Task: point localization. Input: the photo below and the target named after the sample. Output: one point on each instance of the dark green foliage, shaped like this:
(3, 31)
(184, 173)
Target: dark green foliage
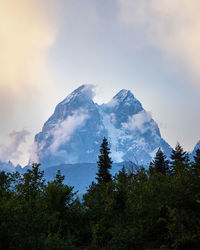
(160, 164)
(104, 163)
(178, 155)
(36, 215)
(179, 160)
(137, 209)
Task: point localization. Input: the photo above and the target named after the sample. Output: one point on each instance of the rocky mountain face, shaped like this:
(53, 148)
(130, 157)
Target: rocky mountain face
(74, 132)
(197, 146)
(9, 166)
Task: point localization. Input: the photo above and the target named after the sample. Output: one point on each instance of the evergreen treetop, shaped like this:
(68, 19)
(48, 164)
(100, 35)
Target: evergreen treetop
(179, 160)
(160, 164)
(104, 163)
(178, 155)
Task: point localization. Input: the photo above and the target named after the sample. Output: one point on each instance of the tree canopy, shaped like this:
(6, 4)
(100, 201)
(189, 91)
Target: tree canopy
(146, 208)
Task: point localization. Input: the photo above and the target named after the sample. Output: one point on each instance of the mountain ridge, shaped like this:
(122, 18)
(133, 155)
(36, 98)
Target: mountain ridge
(74, 132)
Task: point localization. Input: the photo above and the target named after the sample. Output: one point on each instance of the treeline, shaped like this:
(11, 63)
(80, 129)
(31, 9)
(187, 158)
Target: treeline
(135, 209)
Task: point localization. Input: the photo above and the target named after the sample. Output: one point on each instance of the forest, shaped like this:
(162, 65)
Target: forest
(138, 208)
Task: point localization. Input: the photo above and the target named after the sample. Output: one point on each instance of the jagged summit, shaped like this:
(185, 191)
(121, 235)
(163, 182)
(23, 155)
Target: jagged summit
(123, 105)
(79, 100)
(74, 132)
(84, 91)
(124, 95)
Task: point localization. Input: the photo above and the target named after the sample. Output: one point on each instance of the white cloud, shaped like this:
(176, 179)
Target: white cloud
(171, 26)
(63, 131)
(34, 149)
(138, 121)
(112, 103)
(89, 90)
(12, 151)
(27, 32)
(117, 156)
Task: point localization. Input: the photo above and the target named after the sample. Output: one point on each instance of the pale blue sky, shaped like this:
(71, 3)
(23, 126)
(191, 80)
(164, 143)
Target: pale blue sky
(147, 47)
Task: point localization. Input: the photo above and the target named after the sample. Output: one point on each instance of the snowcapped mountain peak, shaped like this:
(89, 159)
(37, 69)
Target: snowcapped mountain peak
(124, 101)
(73, 134)
(85, 92)
(126, 98)
(122, 106)
(123, 94)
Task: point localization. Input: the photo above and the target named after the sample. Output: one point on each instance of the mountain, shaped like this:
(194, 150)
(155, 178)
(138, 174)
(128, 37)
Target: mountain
(9, 167)
(74, 132)
(134, 135)
(197, 146)
(81, 175)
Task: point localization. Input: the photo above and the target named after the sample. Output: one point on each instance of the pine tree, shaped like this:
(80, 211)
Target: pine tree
(178, 155)
(104, 163)
(179, 160)
(160, 164)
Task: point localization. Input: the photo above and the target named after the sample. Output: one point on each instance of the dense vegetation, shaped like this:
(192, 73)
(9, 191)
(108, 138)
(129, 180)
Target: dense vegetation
(135, 209)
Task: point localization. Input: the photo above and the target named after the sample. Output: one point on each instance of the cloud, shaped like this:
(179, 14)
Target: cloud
(26, 33)
(60, 135)
(34, 149)
(138, 122)
(12, 151)
(170, 25)
(89, 90)
(112, 103)
(63, 131)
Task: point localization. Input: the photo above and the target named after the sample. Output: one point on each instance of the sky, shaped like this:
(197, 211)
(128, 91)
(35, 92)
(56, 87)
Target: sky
(50, 47)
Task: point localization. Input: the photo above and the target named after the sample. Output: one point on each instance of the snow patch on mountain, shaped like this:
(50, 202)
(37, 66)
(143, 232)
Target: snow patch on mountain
(153, 153)
(113, 136)
(193, 153)
(73, 134)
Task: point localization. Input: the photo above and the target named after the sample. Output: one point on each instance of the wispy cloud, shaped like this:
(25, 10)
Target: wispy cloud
(63, 131)
(138, 121)
(61, 134)
(27, 32)
(171, 26)
(12, 150)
